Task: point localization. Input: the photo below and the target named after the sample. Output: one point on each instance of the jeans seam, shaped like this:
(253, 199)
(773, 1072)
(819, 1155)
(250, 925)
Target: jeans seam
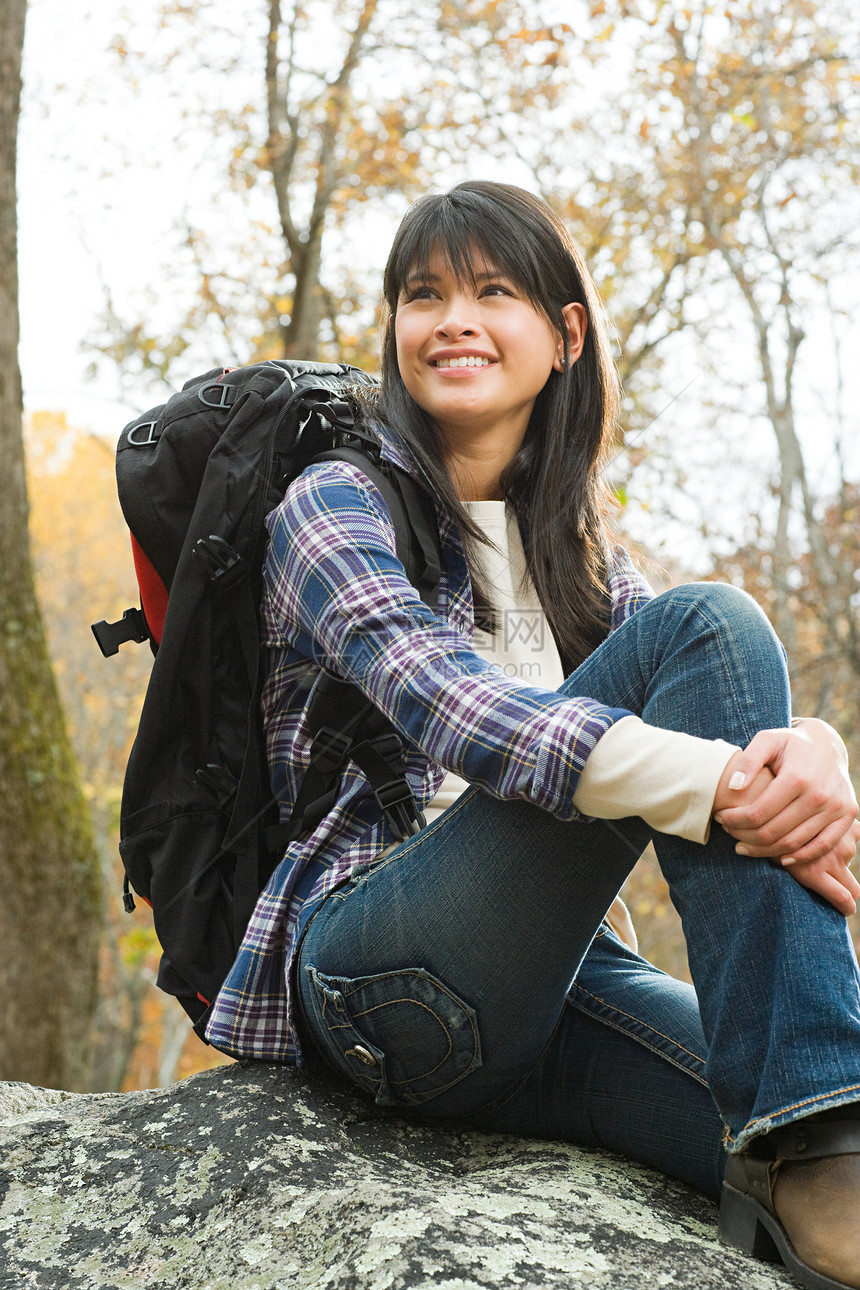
(729, 671)
(797, 1106)
(622, 1029)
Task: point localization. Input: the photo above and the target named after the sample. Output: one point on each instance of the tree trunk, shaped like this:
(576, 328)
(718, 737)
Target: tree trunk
(302, 335)
(49, 885)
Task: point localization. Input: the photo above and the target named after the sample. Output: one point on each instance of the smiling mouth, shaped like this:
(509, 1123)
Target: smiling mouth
(470, 360)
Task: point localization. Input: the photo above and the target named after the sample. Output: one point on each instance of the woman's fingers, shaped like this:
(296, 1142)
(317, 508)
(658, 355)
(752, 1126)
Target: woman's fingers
(807, 806)
(773, 816)
(811, 838)
(788, 795)
(831, 880)
(746, 776)
(842, 841)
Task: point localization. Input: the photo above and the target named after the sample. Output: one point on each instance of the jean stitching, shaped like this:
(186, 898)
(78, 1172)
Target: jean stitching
(437, 1092)
(434, 1015)
(729, 670)
(797, 1106)
(619, 1012)
(350, 1025)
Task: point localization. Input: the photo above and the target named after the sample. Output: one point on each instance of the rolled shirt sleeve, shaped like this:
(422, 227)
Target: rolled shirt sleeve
(666, 777)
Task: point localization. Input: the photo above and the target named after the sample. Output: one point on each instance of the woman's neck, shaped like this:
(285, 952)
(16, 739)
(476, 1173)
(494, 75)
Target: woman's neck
(477, 468)
(475, 485)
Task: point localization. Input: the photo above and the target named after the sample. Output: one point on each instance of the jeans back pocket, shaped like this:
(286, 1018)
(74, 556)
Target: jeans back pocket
(402, 1036)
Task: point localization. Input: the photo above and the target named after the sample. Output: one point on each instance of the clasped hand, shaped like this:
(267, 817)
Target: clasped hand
(788, 797)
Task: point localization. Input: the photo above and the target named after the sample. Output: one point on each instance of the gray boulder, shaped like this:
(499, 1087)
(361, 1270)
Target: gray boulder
(255, 1177)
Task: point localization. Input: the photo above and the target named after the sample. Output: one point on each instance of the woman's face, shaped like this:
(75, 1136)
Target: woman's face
(476, 357)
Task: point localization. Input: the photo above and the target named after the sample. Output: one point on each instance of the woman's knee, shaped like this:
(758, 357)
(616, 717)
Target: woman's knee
(721, 608)
(719, 598)
(719, 659)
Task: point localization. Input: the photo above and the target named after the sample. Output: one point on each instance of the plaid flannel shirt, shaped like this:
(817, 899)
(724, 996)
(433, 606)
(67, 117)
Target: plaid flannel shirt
(336, 596)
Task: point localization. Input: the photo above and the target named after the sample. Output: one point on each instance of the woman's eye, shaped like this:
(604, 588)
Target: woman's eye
(495, 289)
(418, 293)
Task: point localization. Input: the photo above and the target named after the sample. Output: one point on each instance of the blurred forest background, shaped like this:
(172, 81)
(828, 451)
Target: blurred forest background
(706, 157)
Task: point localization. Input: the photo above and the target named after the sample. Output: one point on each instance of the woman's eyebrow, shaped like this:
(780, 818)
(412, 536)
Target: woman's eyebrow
(419, 276)
(485, 275)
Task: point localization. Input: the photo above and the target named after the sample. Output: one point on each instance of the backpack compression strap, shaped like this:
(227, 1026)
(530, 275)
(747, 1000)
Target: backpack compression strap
(346, 726)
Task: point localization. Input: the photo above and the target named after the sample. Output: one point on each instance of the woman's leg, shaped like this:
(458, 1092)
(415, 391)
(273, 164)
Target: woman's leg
(453, 955)
(773, 965)
(624, 1071)
(441, 980)
(439, 977)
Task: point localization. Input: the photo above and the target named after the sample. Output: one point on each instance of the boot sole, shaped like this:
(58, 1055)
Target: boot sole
(748, 1226)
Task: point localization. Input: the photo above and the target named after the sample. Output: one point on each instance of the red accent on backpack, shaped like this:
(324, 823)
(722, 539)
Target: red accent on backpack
(153, 593)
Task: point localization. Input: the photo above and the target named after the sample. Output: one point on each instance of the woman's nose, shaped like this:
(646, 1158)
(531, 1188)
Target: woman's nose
(456, 320)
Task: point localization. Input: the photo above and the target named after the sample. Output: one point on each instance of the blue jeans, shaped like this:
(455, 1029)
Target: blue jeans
(469, 973)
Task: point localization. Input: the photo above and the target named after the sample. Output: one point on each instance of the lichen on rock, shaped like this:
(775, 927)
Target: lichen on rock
(256, 1177)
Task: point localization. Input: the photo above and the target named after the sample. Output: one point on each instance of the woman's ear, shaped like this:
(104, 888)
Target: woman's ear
(576, 322)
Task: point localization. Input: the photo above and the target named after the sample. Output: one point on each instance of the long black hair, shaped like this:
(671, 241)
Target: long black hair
(555, 483)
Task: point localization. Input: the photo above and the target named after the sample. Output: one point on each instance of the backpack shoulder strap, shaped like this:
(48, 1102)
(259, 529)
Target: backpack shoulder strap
(343, 723)
(413, 516)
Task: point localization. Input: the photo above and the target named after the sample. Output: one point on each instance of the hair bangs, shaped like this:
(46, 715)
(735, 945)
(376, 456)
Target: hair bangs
(472, 234)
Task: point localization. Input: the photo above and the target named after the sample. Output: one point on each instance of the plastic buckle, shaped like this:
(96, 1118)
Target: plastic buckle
(127, 897)
(398, 804)
(340, 414)
(225, 566)
(329, 749)
(131, 627)
(226, 394)
(151, 431)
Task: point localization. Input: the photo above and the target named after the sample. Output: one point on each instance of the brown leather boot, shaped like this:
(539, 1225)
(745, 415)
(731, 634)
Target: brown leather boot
(795, 1196)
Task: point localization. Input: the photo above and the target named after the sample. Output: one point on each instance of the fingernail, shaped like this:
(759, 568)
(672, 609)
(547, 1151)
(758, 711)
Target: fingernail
(719, 818)
(741, 850)
(737, 780)
(787, 860)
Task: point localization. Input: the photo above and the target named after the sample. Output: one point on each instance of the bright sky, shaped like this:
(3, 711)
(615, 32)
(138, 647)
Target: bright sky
(84, 221)
(101, 182)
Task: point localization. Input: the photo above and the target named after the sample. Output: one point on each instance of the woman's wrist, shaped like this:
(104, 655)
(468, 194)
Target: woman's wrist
(736, 788)
(816, 730)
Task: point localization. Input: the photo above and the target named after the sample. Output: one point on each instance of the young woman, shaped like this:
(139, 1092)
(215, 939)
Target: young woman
(483, 968)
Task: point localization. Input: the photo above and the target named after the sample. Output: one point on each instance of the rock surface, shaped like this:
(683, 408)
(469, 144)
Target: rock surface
(254, 1177)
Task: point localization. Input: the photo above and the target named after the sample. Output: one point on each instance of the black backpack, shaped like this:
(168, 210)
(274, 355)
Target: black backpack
(199, 829)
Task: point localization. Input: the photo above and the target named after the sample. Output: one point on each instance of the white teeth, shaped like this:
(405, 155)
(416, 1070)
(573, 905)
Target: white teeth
(470, 360)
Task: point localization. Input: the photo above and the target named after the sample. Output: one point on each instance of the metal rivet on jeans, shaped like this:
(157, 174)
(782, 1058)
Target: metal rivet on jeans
(363, 1055)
